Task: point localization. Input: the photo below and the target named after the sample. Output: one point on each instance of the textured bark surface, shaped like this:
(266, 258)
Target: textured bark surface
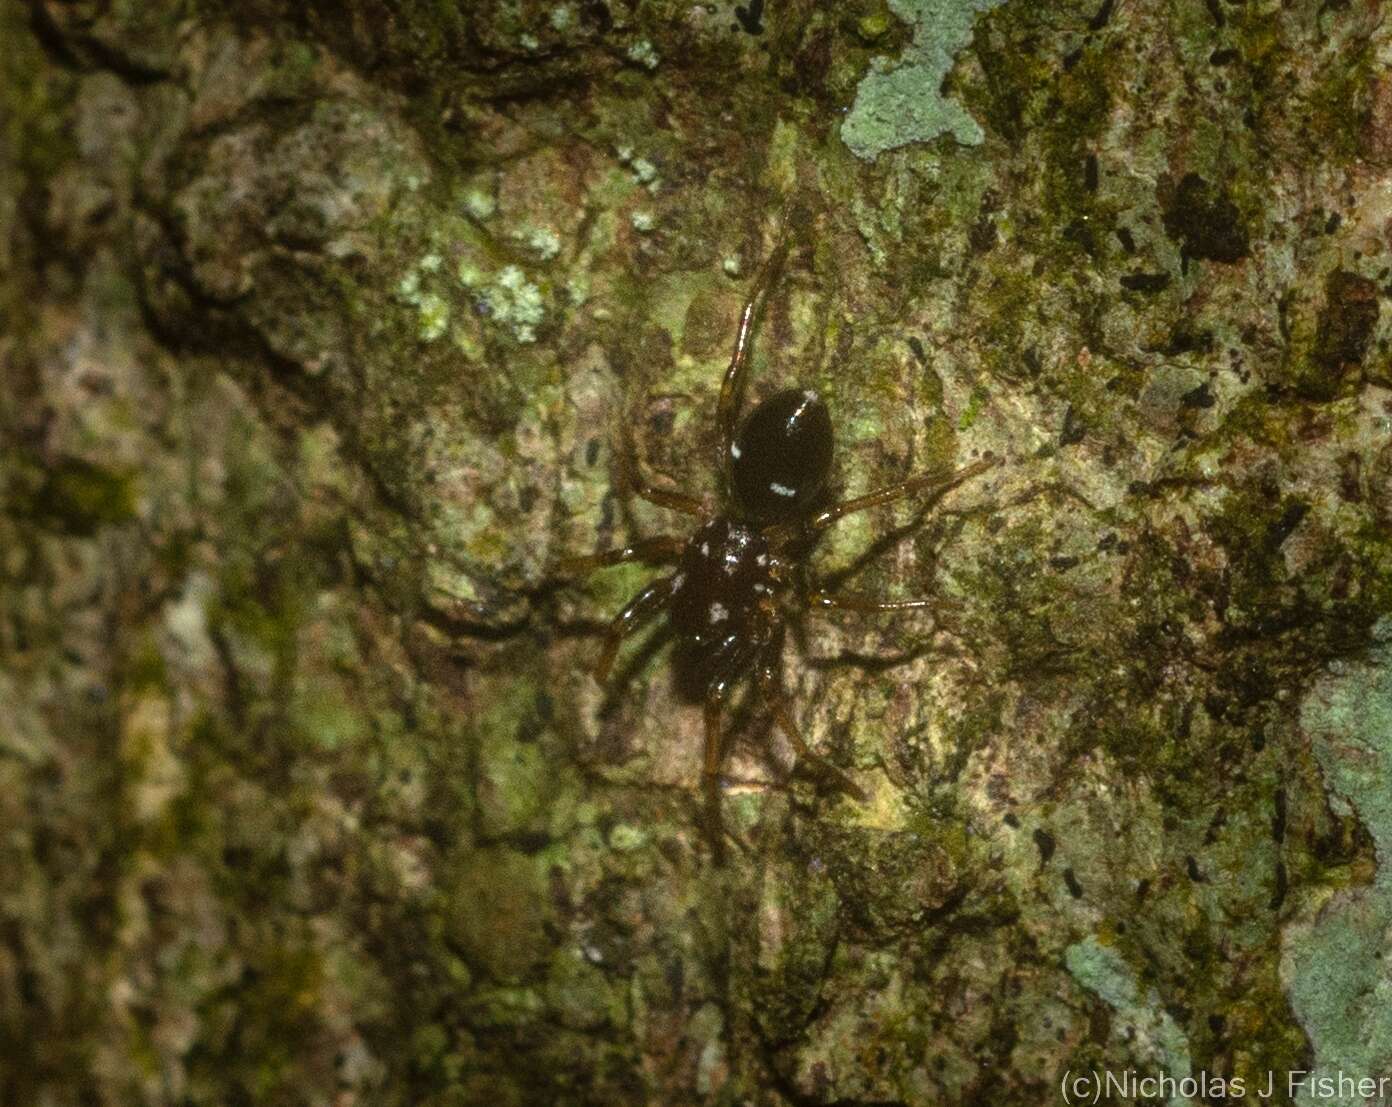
(322, 329)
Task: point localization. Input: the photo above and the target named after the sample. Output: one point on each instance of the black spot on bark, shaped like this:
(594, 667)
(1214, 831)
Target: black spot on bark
(596, 13)
(982, 236)
(1073, 429)
(1204, 220)
(1198, 397)
(1281, 529)
(1350, 314)
(1071, 882)
(1145, 282)
(1104, 14)
(750, 18)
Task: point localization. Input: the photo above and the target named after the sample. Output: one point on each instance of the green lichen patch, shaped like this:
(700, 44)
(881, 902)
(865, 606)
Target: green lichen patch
(899, 104)
(1158, 1039)
(1333, 959)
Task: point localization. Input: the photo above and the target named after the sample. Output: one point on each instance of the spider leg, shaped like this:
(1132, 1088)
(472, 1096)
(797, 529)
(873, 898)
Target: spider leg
(643, 488)
(938, 483)
(710, 773)
(845, 602)
(771, 687)
(664, 548)
(732, 387)
(940, 607)
(665, 497)
(648, 603)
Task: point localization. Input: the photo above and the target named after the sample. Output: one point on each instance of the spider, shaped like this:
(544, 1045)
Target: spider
(746, 558)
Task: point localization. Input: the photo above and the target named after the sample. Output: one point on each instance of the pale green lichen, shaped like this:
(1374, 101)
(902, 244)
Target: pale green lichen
(644, 172)
(510, 300)
(643, 53)
(1155, 1034)
(1334, 960)
(642, 221)
(625, 838)
(969, 414)
(578, 288)
(480, 204)
(543, 241)
(434, 316)
(432, 310)
(899, 104)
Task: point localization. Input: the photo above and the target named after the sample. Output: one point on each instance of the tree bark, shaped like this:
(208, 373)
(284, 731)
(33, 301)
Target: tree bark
(329, 331)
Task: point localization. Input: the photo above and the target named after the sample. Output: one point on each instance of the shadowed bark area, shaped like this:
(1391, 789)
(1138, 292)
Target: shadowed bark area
(327, 332)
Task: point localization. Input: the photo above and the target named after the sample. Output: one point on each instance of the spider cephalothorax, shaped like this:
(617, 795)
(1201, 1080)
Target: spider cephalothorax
(739, 570)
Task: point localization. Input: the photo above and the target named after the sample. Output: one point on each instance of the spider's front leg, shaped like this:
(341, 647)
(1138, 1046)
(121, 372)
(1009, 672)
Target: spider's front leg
(732, 387)
(940, 486)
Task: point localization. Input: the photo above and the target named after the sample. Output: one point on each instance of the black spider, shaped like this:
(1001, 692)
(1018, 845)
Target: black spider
(746, 557)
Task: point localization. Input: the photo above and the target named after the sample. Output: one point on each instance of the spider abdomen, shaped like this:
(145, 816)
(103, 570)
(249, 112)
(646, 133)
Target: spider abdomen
(780, 459)
(724, 583)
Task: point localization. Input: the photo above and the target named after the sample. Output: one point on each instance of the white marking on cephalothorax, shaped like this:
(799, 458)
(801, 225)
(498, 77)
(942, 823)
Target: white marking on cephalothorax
(718, 613)
(781, 489)
(735, 450)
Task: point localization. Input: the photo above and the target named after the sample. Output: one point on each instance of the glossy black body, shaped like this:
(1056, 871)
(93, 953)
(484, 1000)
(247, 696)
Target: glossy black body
(724, 595)
(736, 574)
(723, 581)
(780, 459)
